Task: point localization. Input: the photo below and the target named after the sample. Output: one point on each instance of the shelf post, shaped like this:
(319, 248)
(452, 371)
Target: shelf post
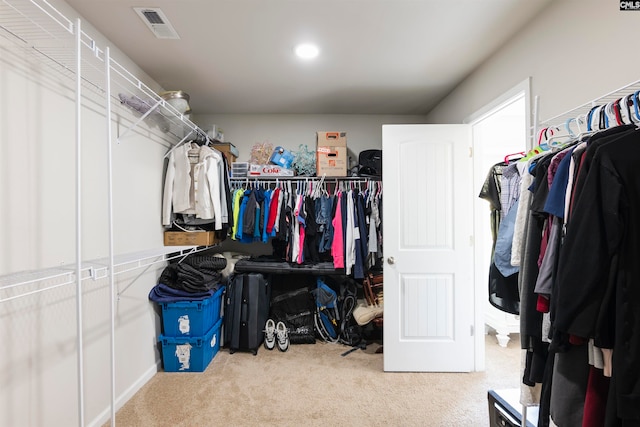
(111, 272)
(78, 42)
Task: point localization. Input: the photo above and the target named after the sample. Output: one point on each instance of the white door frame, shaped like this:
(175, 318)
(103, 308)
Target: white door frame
(480, 287)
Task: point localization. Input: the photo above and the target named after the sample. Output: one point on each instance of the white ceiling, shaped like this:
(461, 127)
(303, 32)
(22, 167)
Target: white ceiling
(377, 56)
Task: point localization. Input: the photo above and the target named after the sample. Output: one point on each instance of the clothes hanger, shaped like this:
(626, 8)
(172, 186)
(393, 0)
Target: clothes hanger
(539, 148)
(310, 189)
(557, 139)
(581, 120)
(628, 104)
(610, 114)
(325, 189)
(567, 126)
(513, 156)
(318, 190)
(603, 120)
(616, 112)
(178, 144)
(625, 110)
(635, 105)
(590, 118)
(558, 142)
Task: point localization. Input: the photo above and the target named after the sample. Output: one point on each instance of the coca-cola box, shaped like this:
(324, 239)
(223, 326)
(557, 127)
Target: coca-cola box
(269, 170)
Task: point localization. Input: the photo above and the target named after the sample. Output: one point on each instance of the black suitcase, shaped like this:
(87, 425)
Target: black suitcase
(246, 312)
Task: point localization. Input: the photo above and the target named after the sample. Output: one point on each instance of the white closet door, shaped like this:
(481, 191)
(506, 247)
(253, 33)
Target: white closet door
(428, 227)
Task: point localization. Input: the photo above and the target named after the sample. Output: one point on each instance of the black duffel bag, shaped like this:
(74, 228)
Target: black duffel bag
(296, 309)
(370, 163)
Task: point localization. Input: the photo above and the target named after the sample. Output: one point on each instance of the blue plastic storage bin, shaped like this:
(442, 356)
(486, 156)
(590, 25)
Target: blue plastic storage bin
(190, 354)
(191, 318)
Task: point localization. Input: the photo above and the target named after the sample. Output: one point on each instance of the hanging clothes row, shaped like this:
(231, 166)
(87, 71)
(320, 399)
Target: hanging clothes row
(575, 242)
(502, 190)
(309, 224)
(196, 189)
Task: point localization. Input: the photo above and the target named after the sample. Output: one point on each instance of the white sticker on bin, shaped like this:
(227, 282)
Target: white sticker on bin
(183, 324)
(183, 353)
(213, 340)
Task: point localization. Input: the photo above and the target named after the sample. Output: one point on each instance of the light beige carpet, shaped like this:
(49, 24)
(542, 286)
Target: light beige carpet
(313, 385)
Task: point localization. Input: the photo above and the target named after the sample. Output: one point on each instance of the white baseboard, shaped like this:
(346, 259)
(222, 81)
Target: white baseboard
(105, 415)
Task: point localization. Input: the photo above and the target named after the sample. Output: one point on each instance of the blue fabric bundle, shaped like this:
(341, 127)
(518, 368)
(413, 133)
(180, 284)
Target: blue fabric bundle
(163, 293)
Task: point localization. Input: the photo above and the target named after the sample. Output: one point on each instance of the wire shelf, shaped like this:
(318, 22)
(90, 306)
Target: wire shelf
(37, 28)
(25, 283)
(35, 23)
(581, 111)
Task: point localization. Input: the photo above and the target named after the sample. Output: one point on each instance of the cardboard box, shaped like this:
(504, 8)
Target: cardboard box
(229, 150)
(331, 154)
(189, 238)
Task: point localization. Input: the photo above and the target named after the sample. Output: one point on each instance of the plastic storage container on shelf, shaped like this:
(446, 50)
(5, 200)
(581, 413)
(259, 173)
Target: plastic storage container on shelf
(190, 354)
(191, 318)
(239, 169)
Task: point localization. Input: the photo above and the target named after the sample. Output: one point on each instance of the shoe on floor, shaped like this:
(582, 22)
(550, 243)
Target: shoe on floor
(282, 336)
(270, 334)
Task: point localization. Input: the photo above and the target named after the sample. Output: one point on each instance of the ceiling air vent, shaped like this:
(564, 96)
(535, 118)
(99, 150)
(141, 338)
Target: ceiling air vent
(157, 22)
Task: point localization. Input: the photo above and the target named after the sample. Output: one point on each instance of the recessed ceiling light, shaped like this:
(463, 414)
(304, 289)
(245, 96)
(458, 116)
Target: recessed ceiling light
(307, 51)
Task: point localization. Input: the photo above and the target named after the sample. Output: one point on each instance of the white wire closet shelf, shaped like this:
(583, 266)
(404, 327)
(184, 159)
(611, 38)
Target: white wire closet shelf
(36, 28)
(560, 120)
(25, 283)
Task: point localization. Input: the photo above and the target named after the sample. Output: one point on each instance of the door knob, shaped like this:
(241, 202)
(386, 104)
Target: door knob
(391, 260)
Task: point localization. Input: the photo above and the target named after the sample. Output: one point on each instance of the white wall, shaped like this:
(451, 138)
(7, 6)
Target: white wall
(575, 51)
(291, 130)
(38, 366)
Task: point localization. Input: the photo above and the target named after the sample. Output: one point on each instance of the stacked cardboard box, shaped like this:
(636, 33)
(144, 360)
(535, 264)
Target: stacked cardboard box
(331, 154)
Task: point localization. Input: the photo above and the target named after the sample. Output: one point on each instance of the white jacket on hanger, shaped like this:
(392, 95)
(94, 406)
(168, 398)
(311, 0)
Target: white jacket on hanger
(192, 184)
(177, 184)
(206, 176)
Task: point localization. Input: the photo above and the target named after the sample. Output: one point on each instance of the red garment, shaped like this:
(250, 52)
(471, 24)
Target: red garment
(546, 231)
(576, 340)
(543, 304)
(273, 210)
(595, 402)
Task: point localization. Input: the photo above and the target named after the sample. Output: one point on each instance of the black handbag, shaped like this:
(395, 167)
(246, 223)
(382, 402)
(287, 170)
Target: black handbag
(370, 163)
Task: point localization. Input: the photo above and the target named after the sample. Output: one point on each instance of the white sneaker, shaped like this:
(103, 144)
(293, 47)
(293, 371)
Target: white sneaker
(270, 334)
(282, 336)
